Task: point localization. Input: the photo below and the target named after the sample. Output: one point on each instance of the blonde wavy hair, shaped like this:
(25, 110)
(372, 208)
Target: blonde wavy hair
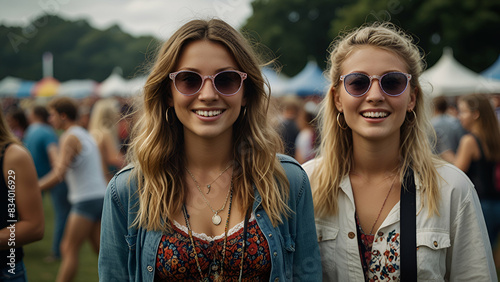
(336, 152)
(104, 118)
(157, 146)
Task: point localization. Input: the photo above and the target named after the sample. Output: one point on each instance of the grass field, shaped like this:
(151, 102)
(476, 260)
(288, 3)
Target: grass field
(40, 271)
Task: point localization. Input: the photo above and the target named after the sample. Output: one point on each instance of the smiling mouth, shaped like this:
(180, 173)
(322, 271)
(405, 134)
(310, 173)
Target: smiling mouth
(208, 113)
(375, 114)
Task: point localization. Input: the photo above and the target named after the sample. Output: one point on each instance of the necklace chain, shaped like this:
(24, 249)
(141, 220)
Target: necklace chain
(209, 186)
(215, 218)
(190, 232)
(383, 205)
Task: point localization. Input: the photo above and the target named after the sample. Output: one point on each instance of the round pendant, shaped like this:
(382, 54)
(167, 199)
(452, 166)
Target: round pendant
(216, 219)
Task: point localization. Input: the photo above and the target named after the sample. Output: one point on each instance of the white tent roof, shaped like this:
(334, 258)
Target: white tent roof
(77, 88)
(277, 81)
(9, 86)
(114, 85)
(449, 78)
(309, 81)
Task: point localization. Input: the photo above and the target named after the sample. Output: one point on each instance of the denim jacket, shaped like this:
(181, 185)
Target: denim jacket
(128, 253)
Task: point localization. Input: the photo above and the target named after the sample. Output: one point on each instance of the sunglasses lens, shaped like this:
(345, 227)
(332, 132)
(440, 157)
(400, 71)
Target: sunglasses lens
(228, 82)
(188, 82)
(394, 83)
(356, 84)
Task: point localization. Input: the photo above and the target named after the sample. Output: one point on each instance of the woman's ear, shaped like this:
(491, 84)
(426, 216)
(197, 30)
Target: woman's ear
(413, 99)
(336, 99)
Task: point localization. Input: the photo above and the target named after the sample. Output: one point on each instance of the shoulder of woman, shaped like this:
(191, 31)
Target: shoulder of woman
(311, 165)
(296, 175)
(453, 180)
(124, 183)
(17, 155)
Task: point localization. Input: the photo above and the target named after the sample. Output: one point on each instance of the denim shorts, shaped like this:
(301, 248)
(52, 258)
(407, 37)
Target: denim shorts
(90, 209)
(18, 276)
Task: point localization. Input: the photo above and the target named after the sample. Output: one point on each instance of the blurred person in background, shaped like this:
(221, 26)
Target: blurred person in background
(387, 209)
(306, 141)
(79, 163)
(17, 121)
(207, 197)
(21, 218)
(448, 130)
(103, 123)
(479, 153)
(41, 140)
(290, 107)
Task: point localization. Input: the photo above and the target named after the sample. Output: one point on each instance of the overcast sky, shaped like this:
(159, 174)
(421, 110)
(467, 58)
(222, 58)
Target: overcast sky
(159, 18)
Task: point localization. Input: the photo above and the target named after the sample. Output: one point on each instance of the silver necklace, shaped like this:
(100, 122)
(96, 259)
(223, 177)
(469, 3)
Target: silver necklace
(209, 186)
(216, 220)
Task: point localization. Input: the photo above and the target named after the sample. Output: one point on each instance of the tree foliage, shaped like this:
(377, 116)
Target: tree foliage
(469, 27)
(294, 30)
(79, 50)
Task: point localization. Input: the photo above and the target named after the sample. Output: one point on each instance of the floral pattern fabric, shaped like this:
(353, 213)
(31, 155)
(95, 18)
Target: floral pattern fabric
(379, 266)
(176, 259)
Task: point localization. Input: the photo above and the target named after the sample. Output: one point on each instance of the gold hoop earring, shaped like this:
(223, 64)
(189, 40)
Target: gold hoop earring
(244, 112)
(166, 116)
(340, 125)
(414, 120)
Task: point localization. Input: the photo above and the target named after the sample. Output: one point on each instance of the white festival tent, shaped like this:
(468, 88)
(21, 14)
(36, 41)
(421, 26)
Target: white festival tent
(449, 78)
(114, 85)
(77, 88)
(277, 81)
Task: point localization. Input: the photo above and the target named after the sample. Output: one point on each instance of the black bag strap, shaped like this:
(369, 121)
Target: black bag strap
(408, 235)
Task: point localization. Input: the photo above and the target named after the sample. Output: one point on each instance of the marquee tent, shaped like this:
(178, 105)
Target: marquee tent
(114, 85)
(449, 78)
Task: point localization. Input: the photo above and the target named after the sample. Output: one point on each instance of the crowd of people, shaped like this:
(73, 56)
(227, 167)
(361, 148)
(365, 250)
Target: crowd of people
(204, 181)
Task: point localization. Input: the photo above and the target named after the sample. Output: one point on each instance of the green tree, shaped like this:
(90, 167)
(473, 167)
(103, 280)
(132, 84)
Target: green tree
(469, 27)
(79, 50)
(294, 30)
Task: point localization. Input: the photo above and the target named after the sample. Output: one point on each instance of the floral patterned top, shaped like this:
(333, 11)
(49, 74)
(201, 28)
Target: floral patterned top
(378, 266)
(175, 258)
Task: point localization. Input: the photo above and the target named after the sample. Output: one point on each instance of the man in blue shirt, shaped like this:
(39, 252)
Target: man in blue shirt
(41, 140)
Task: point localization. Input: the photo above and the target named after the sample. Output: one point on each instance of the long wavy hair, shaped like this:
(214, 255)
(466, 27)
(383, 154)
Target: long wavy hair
(336, 151)
(104, 119)
(488, 130)
(157, 146)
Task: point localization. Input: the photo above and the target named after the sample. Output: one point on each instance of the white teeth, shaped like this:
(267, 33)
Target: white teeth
(375, 114)
(209, 113)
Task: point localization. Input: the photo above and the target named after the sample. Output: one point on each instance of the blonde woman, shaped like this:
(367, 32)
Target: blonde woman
(206, 196)
(103, 127)
(375, 152)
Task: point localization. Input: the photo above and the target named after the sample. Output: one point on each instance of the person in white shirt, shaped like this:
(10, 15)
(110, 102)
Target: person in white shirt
(374, 133)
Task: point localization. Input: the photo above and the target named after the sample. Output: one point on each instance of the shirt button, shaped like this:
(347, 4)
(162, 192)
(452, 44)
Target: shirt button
(351, 235)
(275, 254)
(270, 234)
(258, 215)
(435, 244)
(380, 234)
(276, 279)
(150, 268)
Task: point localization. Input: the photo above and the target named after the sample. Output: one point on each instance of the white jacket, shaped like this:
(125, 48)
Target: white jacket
(453, 246)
